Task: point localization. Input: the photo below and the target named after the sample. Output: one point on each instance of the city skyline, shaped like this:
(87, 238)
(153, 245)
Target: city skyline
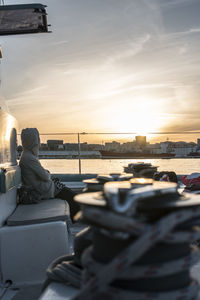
(102, 138)
(106, 68)
(122, 138)
(74, 140)
(139, 147)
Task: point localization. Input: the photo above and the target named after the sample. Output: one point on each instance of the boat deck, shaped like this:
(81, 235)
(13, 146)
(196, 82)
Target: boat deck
(33, 292)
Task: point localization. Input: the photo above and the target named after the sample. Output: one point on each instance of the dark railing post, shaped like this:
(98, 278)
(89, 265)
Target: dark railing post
(79, 153)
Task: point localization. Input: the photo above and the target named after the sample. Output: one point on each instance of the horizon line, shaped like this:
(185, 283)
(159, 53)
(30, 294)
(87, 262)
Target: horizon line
(113, 133)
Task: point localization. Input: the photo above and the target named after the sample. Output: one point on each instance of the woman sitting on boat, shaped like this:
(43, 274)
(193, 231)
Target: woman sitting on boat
(35, 177)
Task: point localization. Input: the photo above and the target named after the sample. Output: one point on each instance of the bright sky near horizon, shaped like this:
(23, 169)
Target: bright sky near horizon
(107, 66)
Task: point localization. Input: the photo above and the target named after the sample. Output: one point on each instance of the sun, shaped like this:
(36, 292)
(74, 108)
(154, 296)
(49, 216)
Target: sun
(141, 123)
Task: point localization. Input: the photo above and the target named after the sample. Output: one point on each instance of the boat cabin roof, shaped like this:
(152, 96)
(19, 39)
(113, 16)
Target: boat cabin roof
(22, 6)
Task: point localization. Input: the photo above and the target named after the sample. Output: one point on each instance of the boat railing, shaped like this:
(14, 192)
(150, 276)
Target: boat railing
(79, 134)
(78, 137)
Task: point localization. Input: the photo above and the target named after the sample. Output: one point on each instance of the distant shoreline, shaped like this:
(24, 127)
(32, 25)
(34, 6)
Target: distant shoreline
(104, 158)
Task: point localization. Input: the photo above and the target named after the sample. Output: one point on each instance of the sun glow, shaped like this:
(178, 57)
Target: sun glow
(9, 126)
(142, 123)
(138, 114)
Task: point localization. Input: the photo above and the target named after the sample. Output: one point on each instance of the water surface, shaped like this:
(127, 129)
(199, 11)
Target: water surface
(179, 165)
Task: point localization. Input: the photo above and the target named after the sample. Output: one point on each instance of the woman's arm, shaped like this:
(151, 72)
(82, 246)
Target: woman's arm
(39, 171)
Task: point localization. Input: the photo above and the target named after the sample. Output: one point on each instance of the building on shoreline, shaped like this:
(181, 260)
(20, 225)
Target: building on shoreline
(69, 154)
(59, 149)
(179, 149)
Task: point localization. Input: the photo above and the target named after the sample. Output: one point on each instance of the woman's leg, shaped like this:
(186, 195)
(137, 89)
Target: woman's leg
(68, 195)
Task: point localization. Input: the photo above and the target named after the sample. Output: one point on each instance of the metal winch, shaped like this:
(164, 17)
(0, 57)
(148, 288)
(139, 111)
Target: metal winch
(141, 247)
(141, 169)
(96, 184)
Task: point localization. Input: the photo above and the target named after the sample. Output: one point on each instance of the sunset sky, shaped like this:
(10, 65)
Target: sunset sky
(108, 66)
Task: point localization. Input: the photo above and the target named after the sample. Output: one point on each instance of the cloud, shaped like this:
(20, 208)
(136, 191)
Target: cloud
(168, 3)
(59, 43)
(130, 49)
(112, 93)
(29, 92)
(104, 56)
(184, 33)
(194, 30)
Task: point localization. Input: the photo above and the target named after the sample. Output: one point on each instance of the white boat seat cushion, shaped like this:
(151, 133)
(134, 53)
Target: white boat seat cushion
(45, 211)
(10, 177)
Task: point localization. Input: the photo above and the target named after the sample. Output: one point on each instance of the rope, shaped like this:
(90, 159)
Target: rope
(67, 269)
(135, 268)
(108, 219)
(149, 271)
(64, 270)
(98, 278)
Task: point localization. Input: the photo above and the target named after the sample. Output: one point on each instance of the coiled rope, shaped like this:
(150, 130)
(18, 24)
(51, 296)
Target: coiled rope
(99, 277)
(64, 270)
(127, 259)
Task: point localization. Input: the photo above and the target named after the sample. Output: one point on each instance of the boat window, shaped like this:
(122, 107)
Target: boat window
(8, 139)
